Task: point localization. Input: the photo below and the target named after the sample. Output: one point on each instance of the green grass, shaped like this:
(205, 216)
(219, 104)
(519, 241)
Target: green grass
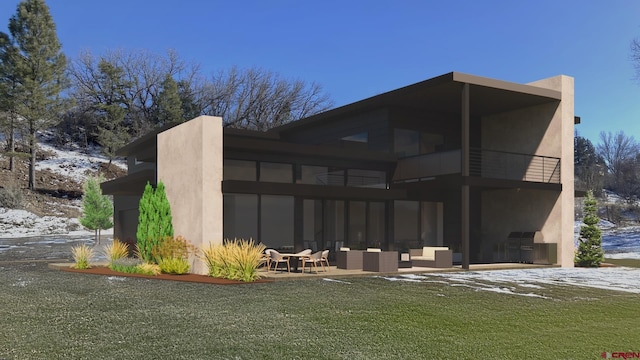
(51, 314)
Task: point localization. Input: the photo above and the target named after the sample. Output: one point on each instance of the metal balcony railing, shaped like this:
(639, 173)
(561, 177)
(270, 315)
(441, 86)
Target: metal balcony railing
(482, 163)
(514, 166)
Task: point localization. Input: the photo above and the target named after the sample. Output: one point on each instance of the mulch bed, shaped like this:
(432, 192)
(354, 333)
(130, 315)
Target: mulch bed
(101, 270)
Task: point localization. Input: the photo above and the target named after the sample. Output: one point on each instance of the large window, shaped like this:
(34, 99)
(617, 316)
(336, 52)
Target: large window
(239, 170)
(334, 223)
(406, 142)
(276, 222)
(405, 224)
(411, 142)
(357, 224)
(314, 175)
(366, 178)
(276, 172)
(431, 223)
(376, 228)
(312, 229)
(240, 213)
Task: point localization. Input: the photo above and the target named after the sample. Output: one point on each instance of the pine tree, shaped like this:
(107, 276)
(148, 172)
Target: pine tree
(97, 209)
(590, 252)
(39, 71)
(154, 221)
(169, 102)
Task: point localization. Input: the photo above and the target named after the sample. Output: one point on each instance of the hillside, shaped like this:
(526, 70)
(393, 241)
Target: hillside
(60, 173)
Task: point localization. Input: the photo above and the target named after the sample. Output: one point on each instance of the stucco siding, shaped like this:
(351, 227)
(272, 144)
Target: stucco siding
(190, 166)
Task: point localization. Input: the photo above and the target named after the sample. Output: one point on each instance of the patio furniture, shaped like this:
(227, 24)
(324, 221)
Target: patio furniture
(405, 260)
(277, 258)
(380, 261)
(348, 259)
(325, 258)
(312, 260)
(432, 256)
(266, 258)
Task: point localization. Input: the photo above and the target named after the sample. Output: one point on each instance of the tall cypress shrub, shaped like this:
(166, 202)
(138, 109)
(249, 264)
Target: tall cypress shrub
(154, 220)
(590, 252)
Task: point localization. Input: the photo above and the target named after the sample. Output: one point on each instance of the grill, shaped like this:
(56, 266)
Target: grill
(520, 246)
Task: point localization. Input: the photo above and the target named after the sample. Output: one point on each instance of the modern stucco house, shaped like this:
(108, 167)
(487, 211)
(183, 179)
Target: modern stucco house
(457, 160)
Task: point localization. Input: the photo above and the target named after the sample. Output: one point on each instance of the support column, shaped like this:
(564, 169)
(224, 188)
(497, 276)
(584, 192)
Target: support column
(190, 166)
(465, 174)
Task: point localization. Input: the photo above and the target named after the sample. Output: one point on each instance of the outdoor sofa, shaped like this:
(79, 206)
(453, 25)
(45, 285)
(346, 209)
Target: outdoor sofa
(432, 256)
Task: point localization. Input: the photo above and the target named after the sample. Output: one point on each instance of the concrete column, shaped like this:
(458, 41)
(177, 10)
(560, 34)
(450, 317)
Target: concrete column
(190, 165)
(563, 120)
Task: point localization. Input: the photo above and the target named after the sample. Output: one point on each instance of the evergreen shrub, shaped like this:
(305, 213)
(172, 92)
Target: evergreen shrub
(589, 253)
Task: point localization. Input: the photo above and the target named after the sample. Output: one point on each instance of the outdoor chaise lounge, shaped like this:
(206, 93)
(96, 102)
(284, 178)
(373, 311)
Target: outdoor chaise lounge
(432, 256)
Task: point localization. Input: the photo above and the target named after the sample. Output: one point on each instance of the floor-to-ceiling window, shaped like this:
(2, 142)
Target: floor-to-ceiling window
(357, 224)
(240, 213)
(334, 224)
(431, 223)
(312, 224)
(405, 225)
(376, 225)
(276, 221)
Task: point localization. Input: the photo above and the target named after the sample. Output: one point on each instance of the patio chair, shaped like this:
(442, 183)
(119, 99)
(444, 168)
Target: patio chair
(266, 258)
(277, 258)
(325, 258)
(313, 260)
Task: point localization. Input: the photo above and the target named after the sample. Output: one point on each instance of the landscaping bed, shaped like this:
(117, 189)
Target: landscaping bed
(103, 270)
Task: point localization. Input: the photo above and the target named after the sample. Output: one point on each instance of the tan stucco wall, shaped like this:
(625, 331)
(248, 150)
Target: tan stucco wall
(542, 130)
(190, 166)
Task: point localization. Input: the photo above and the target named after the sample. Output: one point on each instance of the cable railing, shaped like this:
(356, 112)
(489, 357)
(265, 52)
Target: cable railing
(514, 166)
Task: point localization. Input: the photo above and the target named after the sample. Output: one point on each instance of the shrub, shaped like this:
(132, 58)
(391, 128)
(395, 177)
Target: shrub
(82, 255)
(174, 265)
(234, 260)
(125, 265)
(590, 243)
(170, 247)
(148, 269)
(11, 195)
(117, 250)
(154, 221)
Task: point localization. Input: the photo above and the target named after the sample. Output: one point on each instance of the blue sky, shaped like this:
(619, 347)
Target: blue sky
(360, 48)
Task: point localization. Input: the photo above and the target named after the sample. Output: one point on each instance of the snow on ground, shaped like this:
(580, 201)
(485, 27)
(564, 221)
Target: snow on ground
(531, 282)
(617, 243)
(73, 163)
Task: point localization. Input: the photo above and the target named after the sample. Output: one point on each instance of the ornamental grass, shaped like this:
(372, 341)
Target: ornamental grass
(236, 259)
(115, 251)
(82, 255)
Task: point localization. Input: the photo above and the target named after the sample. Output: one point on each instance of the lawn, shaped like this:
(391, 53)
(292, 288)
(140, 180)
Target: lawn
(52, 314)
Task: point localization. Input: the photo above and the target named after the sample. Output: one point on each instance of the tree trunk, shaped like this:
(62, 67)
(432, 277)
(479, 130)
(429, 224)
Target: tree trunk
(12, 141)
(95, 236)
(99, 235)
(32, 163)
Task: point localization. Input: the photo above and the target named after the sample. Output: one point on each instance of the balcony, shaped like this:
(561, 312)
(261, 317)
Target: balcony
(482, 163)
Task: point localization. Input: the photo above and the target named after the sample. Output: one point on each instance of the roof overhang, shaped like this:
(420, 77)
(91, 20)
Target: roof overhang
(442, 94)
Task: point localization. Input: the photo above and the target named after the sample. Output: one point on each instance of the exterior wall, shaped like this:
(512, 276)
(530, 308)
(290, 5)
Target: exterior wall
(190, 166)
(542, 130)
(125, 213)
(505, 211)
